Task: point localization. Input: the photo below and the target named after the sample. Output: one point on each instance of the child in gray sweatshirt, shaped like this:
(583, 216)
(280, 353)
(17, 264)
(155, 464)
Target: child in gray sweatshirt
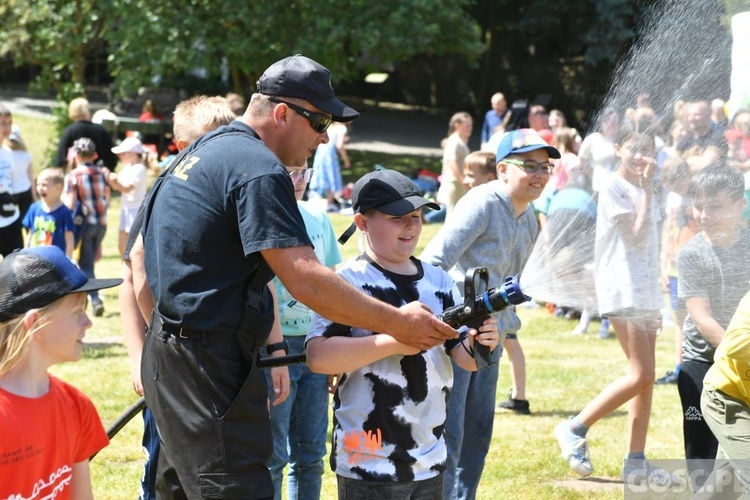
(493, 227)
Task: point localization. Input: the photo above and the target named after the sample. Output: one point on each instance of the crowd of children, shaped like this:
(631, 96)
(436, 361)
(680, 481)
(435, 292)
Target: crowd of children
(410, 423)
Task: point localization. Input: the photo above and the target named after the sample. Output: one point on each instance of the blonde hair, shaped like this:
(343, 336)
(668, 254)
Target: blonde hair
(456, 120)
(483, 160)
(15, 338)
(79, 109)
(198, 115)
(564, 139)
(54, 175)
(236, 103)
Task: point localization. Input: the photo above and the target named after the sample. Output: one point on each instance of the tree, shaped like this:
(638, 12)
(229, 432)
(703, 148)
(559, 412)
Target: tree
(220, 37)
(58, 36)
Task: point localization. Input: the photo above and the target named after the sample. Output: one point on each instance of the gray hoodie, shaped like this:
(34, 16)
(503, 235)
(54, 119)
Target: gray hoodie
(483, 231)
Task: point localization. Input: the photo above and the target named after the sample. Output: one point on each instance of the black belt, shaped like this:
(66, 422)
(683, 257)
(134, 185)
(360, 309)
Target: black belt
(158, 326)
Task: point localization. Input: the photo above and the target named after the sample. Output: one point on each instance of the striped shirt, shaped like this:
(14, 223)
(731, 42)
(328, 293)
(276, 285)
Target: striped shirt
(90, 186)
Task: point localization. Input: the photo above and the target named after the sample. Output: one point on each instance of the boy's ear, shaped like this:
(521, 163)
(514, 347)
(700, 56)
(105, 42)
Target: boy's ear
(500, 169)
(361, 222)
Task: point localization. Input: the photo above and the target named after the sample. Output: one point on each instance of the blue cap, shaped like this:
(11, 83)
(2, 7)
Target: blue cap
(38, 276)
(523, 140)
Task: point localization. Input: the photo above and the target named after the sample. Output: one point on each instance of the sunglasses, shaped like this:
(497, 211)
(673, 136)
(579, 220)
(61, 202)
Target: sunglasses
(318, 121)
(301, 175)
(531, 166)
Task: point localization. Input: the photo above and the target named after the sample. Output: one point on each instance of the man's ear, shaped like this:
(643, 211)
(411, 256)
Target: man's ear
(361, 222)
(280, 114)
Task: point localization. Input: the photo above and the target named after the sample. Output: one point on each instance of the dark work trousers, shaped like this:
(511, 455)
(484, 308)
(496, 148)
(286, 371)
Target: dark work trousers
(700, 443)
(210, 408)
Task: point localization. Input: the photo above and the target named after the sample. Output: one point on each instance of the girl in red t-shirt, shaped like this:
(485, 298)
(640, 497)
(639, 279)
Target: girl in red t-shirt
(49, 428)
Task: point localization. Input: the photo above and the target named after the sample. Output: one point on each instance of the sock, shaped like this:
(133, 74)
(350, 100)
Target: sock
(577, 428)
(585, 319)
(677, 368)
(636, 455)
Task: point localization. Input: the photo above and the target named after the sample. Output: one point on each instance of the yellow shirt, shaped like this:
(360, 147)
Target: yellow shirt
(730, 372)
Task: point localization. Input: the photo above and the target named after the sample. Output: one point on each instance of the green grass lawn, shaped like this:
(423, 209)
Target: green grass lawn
(563, 373)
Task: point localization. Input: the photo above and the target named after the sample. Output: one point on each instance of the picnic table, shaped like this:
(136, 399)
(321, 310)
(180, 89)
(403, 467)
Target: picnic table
(158, 133)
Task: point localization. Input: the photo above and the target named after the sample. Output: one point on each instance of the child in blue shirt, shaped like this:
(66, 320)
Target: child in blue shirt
(49, 221)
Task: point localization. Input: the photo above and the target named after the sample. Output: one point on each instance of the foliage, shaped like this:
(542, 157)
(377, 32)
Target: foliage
(220, 39)
(58, 36)
(174, 43)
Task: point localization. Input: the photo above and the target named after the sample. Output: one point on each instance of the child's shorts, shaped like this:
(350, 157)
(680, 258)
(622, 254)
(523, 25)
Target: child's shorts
(127, 216)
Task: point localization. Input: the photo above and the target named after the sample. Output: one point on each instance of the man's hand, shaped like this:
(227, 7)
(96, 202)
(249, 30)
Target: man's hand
(418, 327)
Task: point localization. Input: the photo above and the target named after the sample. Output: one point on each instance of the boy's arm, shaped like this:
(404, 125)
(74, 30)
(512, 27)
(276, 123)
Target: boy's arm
(699, 309)
(332, 297)
(279, 374)
(133, 326)
(458, 233)
(69, 243)
(334, 355)
(70, 196)
(140, 286)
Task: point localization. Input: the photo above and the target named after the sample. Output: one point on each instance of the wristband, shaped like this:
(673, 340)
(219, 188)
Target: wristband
(278, 346)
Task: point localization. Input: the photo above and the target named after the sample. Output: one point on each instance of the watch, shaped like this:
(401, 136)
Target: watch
(278, 346)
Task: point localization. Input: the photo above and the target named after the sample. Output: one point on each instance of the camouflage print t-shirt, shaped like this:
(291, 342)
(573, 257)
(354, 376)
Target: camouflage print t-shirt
(389, 416)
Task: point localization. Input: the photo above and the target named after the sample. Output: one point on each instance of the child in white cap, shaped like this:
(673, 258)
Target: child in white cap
(131, 182)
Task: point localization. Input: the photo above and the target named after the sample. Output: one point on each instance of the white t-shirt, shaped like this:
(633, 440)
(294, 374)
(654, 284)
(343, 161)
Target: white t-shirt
(21, 162)
(626, 276)
(10, 212)
(598, 152)
(134, 174)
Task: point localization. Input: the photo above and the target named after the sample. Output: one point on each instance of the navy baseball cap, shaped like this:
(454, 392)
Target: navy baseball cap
(301, 77)
(386, 191)
(523, 140)
(389, 192)
(38, 276)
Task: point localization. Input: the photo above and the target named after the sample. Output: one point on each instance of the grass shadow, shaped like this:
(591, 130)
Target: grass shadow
(100, 350)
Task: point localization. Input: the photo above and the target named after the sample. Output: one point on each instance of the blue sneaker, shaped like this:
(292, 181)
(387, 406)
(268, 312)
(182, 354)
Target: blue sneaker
(574, 449)
(669, 378)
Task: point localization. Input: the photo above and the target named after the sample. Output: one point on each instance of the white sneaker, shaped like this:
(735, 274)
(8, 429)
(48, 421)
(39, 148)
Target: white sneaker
(574, 449)
(579, 330)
